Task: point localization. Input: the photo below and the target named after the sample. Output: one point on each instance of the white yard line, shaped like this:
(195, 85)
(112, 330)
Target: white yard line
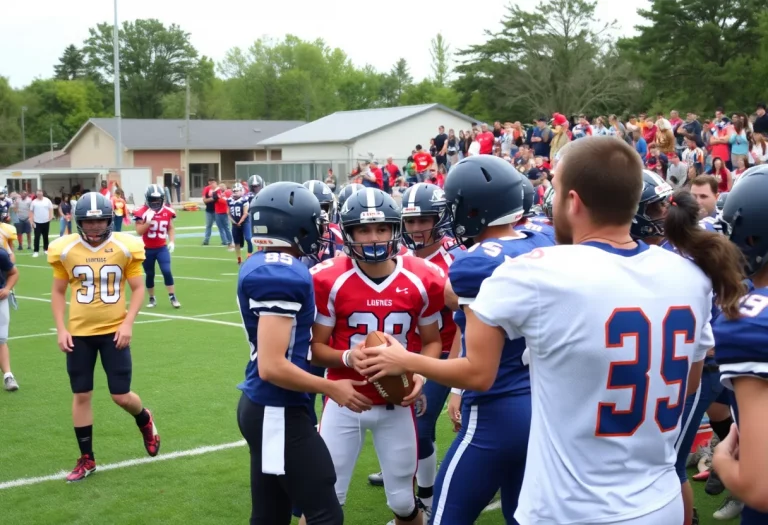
(30, 336)
(229, 274)
(198, 279)
(123, 464)
(163, 316)
(231, 259)
(217, 314)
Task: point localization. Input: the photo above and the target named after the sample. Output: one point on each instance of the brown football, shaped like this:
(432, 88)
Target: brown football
(392, 388)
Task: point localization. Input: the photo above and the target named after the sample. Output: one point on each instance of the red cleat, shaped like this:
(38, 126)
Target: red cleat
(151, 437)
(85, 466)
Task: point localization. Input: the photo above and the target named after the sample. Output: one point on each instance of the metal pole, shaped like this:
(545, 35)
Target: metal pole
(118, 118)
(23, 135)
(187, 177)
(50, 131)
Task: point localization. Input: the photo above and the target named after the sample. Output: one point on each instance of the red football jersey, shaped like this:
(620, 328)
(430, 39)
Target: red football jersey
(355, 306)
(443, 259)
(157, 233)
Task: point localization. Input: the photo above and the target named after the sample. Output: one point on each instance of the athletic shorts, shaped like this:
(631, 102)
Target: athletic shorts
(81, 362)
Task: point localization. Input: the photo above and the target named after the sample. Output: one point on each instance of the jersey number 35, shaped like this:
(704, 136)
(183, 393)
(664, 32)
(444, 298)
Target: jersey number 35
(635, 374)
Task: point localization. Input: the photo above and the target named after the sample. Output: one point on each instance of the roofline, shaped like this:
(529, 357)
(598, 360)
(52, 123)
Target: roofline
(427, 107)
(82, 129)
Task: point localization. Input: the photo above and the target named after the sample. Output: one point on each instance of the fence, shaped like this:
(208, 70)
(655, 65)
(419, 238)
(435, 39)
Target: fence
(299, 171)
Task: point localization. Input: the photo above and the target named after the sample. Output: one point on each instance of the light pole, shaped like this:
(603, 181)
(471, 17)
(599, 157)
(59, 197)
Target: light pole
(23, 135)
(118, 118)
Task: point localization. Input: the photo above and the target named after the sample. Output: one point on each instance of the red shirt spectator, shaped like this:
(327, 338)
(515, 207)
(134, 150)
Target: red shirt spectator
(424, 160)
(722, 131)
(376, 170)
(485, 139)
(220, 204)
(393, 171)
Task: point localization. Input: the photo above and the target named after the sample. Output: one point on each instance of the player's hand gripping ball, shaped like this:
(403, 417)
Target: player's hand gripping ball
(392, 388)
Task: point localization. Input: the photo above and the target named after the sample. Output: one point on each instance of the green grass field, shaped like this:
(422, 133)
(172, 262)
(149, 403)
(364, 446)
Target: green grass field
(187, 364)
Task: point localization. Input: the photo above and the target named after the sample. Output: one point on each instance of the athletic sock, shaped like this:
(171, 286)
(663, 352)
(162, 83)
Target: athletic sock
(722, 428)
(84, 437)
(7, 375)
(172, 296)
(425, 478)
(142, 418)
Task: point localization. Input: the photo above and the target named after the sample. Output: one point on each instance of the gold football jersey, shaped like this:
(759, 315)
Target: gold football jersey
(97, 276)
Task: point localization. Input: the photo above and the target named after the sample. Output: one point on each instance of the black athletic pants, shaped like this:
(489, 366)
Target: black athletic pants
(309, 477)
(41, 228)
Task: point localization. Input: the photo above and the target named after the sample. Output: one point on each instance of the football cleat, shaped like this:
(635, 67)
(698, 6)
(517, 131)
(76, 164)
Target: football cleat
(151, 437)
(152, 302)
(10, 384)
(729, 510)
(175, 302)
(85, 466)
(714, 486)
(376, 480)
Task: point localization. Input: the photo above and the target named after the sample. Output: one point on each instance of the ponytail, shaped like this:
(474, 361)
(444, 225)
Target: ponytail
(717, 257)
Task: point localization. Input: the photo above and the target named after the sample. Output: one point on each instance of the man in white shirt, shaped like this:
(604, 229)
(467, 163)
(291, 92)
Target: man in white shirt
(612, 336)
(41, 215)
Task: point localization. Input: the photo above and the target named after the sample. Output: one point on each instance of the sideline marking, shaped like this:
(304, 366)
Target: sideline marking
(123, 464)
(216, 314)
(199, 279)
(163, 316)
(52, 331)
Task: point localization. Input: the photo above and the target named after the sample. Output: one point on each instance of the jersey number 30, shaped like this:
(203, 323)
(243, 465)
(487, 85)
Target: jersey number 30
(635, 374)
(110, 275)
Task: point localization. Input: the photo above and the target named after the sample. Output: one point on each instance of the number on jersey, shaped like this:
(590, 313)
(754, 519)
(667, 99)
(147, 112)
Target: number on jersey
(396, 324)
(283, 258)
(157, 229)
(110, 276)
(634, 375)
(753, 305)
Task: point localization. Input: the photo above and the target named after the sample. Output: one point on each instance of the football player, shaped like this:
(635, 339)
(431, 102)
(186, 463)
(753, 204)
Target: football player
(96, 263)
(328, 204)
(741, 459)
(154, 222)
(626, 408)
(241, 225)
(529, 220)
(5, 205)
(7, 234)
(484, 198)
(255, 184)
(9, 276)
(425, 223)
(289, 460)
(374, 289)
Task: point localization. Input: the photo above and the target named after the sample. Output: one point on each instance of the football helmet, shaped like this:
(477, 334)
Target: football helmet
(655, 190)
(287, 215)
(528, 193)
(424, 200)
(154, 197)
(324, 195)
(482, 191)
(348, 190)
(370, 206)
(3, 192)
(255, 183)
(237, 191)
(549, 203)
(93, 206)
(746, 212)
(721, 201)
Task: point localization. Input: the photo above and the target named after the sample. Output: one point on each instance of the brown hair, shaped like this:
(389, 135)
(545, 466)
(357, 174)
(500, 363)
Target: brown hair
(607, 174)
(706, 180)
(717, 257)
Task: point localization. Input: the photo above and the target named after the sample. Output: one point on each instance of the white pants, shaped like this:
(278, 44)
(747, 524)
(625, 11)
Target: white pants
(394, 438)
(672, 513)
(5, 320)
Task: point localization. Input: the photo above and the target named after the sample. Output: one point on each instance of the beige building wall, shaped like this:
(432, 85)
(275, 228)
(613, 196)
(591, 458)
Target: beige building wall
(95, 149)
(204, 157)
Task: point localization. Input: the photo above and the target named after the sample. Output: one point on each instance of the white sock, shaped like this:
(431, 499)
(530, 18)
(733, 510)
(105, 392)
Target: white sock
(426, 474)
(7, 375)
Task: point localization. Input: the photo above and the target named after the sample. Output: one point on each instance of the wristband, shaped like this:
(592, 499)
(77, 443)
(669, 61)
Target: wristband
(345, 358)
(457, 391)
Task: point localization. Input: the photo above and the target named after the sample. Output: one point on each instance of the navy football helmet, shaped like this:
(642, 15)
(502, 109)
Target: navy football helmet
(155, 197)
(424, 200)
(655, 190)
(528, 193)
(746, 212)
(370, 206)
(287, 215)
(324, 195)
(92, 207)
(255, 183)
(482, 191)
(721, 201)
(348, 190)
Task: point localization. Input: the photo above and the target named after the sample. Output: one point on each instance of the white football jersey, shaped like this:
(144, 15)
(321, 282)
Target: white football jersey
(611, 336)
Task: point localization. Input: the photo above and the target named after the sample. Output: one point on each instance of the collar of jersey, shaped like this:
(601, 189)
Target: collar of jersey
(624, 252)
(379, 288)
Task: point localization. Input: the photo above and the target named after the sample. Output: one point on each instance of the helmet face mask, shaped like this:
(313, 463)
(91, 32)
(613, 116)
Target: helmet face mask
(155, 197)
(94, 231)
(648, 222)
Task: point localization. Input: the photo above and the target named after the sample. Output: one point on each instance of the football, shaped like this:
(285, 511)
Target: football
(392, 388)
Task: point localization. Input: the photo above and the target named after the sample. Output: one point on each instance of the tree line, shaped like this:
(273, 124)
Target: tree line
(690, 55)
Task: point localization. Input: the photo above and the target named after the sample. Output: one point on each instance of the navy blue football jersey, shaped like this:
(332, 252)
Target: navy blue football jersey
(272, 283)
(237, 208)
(542, 227)
(467, 273)
(741, 350)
